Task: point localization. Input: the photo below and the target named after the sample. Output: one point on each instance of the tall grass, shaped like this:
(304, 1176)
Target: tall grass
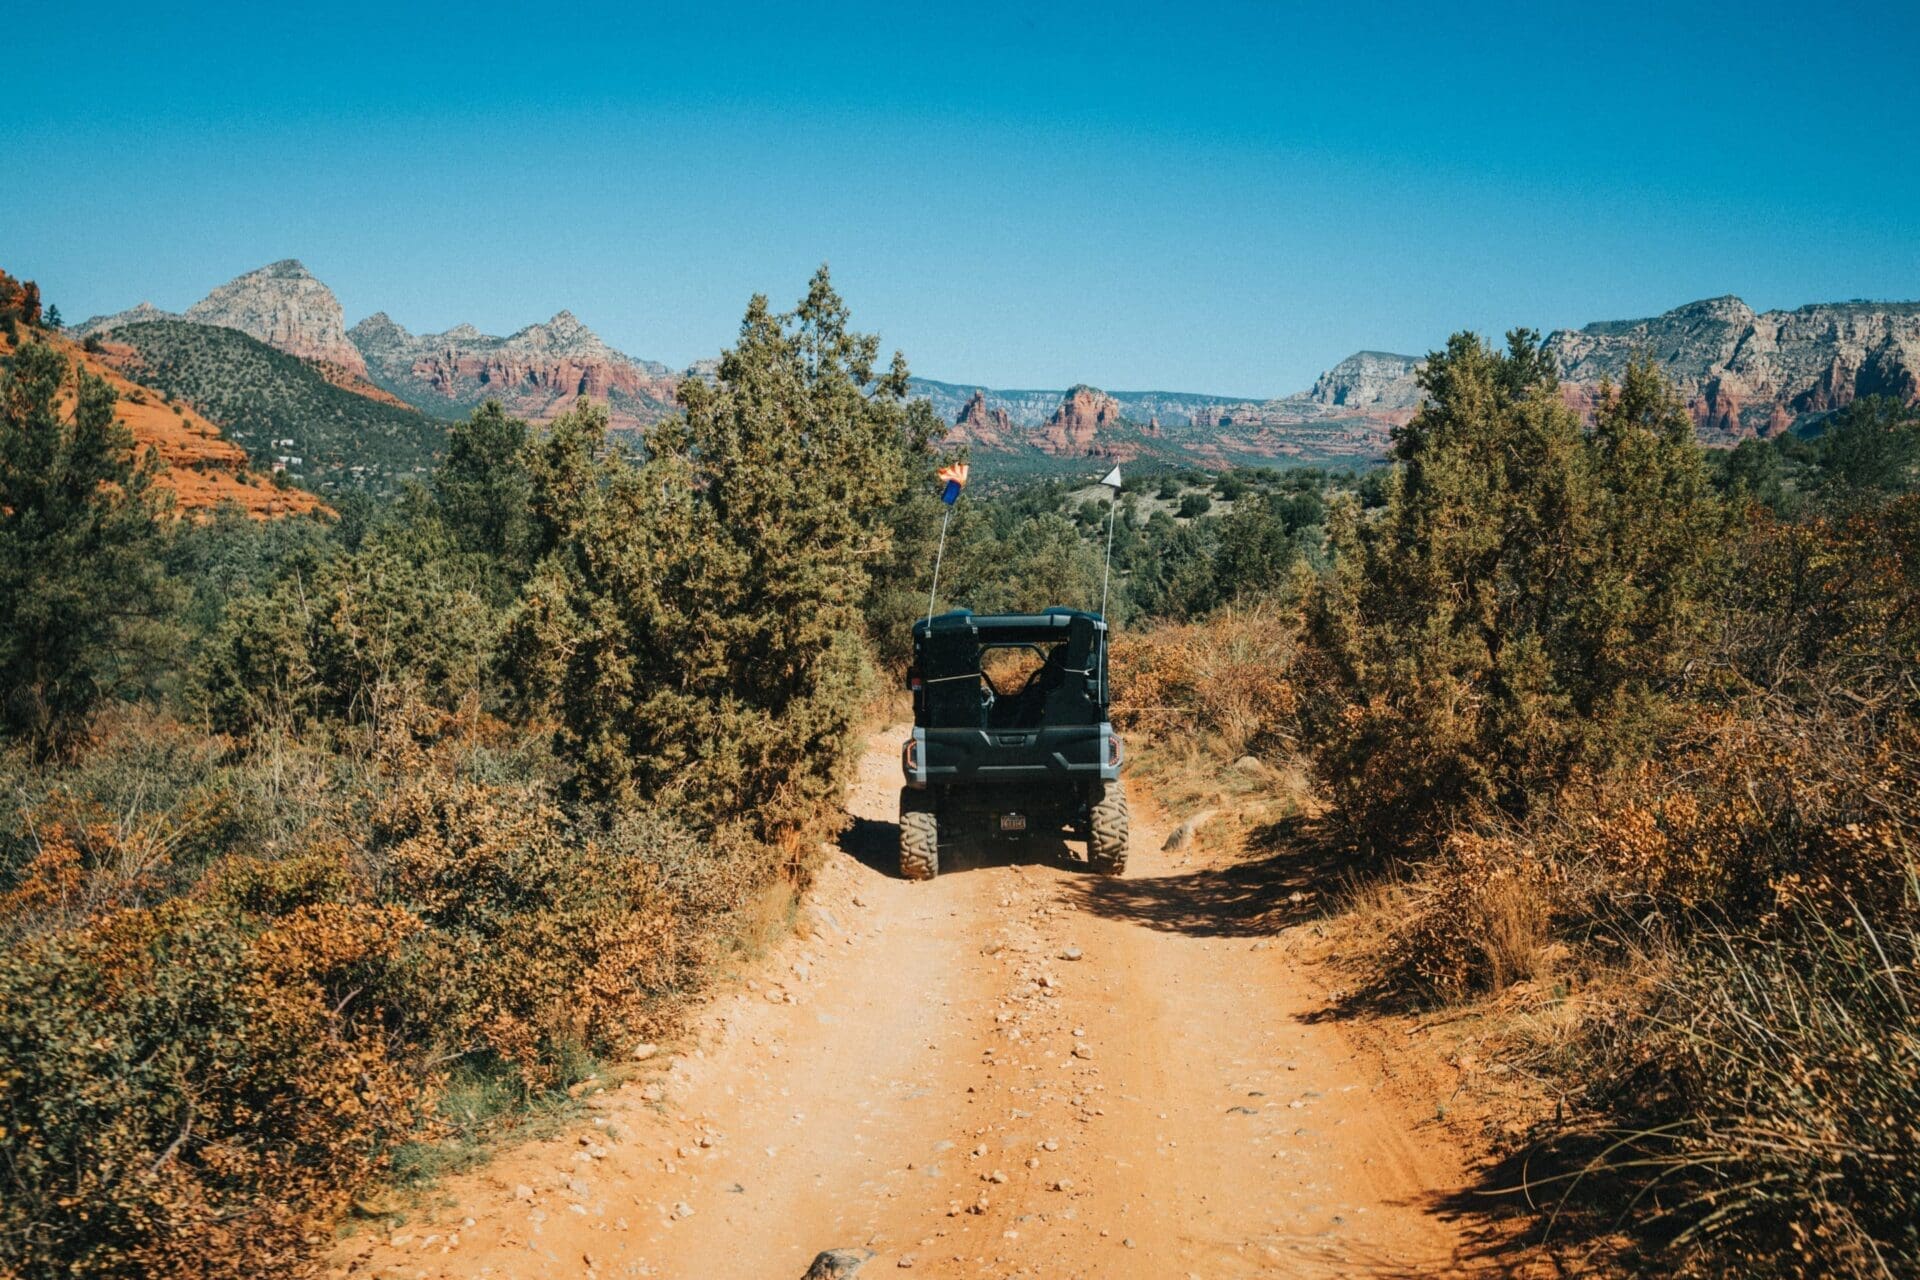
(1772, 1098)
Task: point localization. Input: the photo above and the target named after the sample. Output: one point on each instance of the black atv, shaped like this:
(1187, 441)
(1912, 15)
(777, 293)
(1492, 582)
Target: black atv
(1010, 737)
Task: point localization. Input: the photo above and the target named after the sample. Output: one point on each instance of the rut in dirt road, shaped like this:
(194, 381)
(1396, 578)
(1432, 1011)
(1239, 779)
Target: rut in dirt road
(1016, 1069)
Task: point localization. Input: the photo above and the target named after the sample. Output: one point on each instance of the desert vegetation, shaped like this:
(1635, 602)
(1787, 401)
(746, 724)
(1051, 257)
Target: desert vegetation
(329, 846)
(1616, 744)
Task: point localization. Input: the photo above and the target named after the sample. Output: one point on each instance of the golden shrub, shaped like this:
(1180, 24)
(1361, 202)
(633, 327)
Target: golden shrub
(1227, 679)
(185, 1095)
(1480, 918)
(547, 941)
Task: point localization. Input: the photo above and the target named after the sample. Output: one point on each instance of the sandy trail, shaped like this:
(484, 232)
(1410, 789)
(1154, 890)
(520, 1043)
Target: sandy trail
(931, 1077)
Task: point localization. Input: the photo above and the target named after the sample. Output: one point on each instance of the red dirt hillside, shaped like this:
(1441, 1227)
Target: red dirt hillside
(203, 469)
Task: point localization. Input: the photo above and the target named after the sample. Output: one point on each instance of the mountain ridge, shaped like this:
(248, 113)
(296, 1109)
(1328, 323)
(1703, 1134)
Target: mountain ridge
(537, 372)
(1741, 372)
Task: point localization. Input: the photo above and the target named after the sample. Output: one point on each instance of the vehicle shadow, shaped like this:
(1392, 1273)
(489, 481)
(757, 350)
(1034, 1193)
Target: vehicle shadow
(1287, 883)
(875, 843)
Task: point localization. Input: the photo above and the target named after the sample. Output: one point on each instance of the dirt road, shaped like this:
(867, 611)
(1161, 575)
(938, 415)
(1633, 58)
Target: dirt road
(1015, 1070)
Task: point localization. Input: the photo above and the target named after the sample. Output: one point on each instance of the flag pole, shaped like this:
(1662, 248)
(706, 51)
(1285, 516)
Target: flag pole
(1113, 501)
(938, 557)
(1112, 484)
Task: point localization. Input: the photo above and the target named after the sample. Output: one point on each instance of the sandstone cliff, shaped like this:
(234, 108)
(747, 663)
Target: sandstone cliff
(537, 373)
(983, 426)
(1744, 373)
(1370, 380)
(1079, 421)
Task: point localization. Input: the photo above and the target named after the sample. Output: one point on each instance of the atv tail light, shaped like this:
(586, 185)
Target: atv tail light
(1115, 752)
(910, 758)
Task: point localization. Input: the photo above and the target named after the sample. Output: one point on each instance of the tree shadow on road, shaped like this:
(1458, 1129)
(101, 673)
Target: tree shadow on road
(1514, 1221)
(1289, 881)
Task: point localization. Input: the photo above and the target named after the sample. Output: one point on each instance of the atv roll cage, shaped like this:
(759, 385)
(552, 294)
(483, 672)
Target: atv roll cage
(1053, 726)
(1013, 755)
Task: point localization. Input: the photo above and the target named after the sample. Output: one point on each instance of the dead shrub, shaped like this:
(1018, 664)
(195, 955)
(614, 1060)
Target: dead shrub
(1478, 918)
(1226, 681)
(1769, 1089)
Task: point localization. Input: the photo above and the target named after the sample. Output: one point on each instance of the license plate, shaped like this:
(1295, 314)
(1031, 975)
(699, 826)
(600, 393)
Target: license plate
(1013, 822)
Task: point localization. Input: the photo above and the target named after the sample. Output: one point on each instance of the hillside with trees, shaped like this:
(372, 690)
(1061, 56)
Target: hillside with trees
(282, 409)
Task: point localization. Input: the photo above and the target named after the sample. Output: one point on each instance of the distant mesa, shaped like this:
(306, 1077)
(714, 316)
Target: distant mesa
(1745, 373)
(1378, 380)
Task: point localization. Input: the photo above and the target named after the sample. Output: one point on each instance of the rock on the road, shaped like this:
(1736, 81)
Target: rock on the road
(837, 1264)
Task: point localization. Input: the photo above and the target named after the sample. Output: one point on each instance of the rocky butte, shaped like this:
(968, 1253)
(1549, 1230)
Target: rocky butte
(983, 426)
(284, 306)
(1083, 415)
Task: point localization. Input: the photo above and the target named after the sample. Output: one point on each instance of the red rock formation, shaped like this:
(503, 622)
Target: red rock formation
(1079, 419)
(538, 373)
(1744, 373)
(204, 469)
(19, 299)
(1716, 411)
(979, 425)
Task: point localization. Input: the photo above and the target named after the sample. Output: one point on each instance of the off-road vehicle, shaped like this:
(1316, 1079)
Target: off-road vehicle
(1010, 737)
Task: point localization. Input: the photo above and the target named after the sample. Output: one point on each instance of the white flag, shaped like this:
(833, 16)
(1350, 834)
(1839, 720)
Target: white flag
(1113, 479)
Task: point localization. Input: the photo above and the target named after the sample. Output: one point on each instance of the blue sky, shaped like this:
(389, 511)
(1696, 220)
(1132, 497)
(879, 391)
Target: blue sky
(1210, 196)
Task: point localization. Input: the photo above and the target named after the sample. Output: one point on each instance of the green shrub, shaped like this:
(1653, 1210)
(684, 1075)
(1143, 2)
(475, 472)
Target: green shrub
(361, 639)
(1523, 606)
(547, 942)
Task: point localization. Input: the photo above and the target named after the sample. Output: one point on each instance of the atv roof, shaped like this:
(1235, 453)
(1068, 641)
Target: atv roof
(1051, 624)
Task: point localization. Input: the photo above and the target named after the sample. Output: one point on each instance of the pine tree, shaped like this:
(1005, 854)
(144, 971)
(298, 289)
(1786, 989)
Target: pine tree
(80, 573)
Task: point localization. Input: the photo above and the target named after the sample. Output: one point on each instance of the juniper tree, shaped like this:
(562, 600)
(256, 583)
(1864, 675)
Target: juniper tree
(698, 619)
(1522, 603)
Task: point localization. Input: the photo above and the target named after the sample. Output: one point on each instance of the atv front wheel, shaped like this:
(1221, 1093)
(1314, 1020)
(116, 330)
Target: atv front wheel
(1107, 831)
(919, 835)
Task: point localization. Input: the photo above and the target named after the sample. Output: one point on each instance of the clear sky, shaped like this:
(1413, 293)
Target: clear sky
(1203, 196)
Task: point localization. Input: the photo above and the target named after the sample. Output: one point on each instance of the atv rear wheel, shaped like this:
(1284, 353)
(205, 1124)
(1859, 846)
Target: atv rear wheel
(1107, 830)
(919, 835)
